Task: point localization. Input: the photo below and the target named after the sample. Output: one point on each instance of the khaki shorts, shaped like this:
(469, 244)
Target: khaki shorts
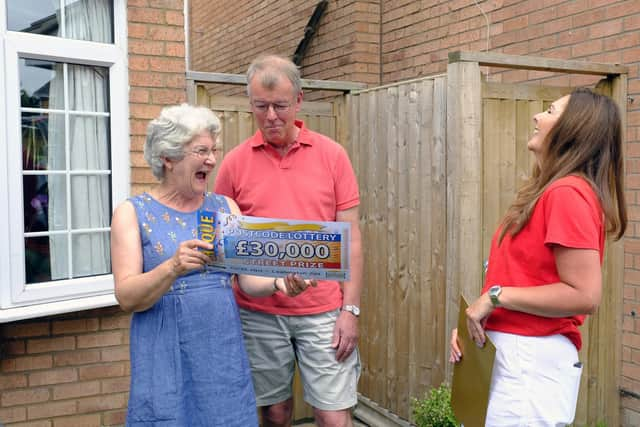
(274, 343)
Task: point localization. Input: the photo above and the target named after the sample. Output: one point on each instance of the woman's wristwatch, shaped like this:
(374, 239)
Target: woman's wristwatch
(494, 294)
(353, 309)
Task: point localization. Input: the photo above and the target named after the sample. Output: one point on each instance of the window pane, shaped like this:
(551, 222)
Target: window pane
(91, 201)
(57, 212)
(33, 16)
(36, 80)
(36, 203)
(89, 139)
(90, 20)
(91, 254)
(88, 88)
(41, 142)
(37, 254)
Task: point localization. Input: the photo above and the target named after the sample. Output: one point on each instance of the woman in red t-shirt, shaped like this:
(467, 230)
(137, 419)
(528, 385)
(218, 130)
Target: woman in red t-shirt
(544, 270)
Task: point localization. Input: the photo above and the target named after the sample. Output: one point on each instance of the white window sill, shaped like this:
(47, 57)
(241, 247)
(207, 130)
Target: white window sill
(58, 307)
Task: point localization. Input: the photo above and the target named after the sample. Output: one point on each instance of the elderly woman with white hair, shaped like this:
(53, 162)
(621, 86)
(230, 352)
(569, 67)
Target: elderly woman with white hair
(188, 361)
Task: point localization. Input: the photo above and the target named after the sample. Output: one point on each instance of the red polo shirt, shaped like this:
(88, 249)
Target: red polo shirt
(312, 181)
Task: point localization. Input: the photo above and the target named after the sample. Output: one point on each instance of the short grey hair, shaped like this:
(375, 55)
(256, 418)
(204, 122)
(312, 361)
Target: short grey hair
(272, 67)
(175, 127)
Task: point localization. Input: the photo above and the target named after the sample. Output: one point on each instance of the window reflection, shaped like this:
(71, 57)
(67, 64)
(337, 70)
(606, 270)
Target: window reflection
(90, 20)
(33, 16)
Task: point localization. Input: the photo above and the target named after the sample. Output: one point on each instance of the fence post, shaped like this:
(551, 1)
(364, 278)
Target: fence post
(464, 185)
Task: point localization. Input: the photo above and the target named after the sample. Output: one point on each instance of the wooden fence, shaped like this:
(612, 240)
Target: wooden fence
(438, 161)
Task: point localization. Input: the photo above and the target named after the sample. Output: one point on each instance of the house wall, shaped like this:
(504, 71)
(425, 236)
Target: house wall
(386, 41)
(73, 369)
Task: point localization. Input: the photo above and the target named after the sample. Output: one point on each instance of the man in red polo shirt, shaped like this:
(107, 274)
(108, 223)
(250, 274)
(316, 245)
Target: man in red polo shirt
(288, 171)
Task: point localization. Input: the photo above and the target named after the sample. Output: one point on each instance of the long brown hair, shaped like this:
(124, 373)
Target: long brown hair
(585, 141)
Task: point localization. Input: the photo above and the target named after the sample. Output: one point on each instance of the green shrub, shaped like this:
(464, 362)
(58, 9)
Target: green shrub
(434, 410)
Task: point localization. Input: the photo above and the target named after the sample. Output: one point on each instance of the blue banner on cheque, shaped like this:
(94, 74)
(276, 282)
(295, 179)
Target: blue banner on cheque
(275, 247)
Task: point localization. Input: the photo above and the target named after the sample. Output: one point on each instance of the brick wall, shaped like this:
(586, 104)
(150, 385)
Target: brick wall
(412, 39)
(68, 370)
(226, 35)
(73, 370)
(156, 72)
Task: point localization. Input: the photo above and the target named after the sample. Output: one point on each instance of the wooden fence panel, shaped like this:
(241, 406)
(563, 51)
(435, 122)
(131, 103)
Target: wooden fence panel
(398, 147)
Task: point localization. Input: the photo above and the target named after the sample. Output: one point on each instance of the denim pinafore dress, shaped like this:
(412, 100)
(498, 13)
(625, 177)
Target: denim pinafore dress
(188, 361)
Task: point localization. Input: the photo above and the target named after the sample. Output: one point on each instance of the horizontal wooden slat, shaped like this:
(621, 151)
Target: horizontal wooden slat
(241, 79)
(537, 63)
(523, 92)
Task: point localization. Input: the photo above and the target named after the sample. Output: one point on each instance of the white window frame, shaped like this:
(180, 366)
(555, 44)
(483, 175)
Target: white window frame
(18, 301)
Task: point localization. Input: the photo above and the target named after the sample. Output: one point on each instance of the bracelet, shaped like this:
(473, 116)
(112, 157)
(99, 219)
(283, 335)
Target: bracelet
(275, 287)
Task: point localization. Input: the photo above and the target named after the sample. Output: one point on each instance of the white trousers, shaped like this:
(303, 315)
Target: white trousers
(535, 381)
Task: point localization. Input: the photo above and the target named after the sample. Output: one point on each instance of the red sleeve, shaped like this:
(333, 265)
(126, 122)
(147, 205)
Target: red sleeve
(345, 182)
(573, 218)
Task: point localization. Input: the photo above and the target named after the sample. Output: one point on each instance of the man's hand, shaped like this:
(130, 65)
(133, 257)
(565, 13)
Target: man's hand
(345, 335)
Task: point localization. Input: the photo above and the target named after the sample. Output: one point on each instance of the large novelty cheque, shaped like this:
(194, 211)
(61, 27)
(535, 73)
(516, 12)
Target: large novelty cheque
(275, 247)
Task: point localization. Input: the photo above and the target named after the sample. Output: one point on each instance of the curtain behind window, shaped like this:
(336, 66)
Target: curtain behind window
(88, 139)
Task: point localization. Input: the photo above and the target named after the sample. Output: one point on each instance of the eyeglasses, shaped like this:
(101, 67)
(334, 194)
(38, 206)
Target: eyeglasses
(278, 107)
(204, 152)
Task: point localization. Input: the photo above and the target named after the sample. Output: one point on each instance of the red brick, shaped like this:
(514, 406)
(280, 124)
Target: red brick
(54, 409)
(25, 330)
(152, 16)
(146, 47)
(92, 420)
(27, 363)
(174, 17)
(145, 79)
(115, 385)
(167, 96)
(101, 339)
(74, 326)
(102, 403)
(122, 321)
(589, 47)
(8, 382)
(166, 4)
(107, 370)
(50, 344)
(175, 49)
(113, 354)
(53, 376)
(139, 63)
(13, 415)
(76, 357)
(166, 33)
(167, 65)
(15, 347)
(606, 28)
(175, 81)
(144, 111)
(25, 397)
(79, 389)
(138, 95)
(113, 418)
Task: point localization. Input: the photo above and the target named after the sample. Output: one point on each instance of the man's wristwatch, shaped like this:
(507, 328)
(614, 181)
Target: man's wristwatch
(353, 309)
(494, 294)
